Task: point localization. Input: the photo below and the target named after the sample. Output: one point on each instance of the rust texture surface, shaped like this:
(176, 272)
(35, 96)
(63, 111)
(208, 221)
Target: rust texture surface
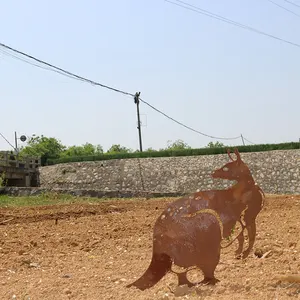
(192, 230)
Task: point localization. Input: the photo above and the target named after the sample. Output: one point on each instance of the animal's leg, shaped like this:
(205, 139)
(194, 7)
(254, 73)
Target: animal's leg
(241, 240)
(251, 229)
(209, 275)
(209, 271)
(249, 218)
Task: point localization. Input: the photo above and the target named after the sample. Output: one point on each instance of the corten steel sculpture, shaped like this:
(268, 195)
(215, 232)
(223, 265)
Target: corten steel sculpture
(252, 197)
(190, 230)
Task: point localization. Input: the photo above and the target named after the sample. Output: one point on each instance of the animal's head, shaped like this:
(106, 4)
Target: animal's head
(234, 170)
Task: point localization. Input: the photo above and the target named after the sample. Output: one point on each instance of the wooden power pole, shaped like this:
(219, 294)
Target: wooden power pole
(243, 139)
(137, 102)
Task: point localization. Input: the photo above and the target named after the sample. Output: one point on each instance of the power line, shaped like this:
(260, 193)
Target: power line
(65, 71)
(293, 3)
(226, 20)
(7, 141)
(249, 141)
(292, 12)
(32, 63)
(61, 71)
(190, 128)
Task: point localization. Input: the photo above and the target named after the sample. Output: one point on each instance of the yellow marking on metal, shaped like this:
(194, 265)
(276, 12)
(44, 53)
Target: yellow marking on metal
(216, 215)
(207, 211)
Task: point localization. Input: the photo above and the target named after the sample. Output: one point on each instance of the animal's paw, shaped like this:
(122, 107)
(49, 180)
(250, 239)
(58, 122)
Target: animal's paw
(238, 254)
(245, 254)
(209, 281)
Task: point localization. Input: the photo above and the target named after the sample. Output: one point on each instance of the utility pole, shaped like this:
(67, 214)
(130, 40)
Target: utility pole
(137, 102)
(242, 139)
(22, 138)
(16, 143)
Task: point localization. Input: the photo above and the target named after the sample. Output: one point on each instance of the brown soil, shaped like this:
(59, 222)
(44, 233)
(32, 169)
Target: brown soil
(92, 251)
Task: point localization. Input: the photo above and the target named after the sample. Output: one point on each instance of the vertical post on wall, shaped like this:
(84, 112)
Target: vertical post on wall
(137, 102)
(16, 142)
(243, 139)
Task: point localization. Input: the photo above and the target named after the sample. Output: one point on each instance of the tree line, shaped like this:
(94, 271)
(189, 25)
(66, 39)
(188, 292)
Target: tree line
(52, 148)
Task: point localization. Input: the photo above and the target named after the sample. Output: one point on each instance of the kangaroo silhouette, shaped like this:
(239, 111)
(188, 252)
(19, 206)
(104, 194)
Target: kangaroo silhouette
(189, 232)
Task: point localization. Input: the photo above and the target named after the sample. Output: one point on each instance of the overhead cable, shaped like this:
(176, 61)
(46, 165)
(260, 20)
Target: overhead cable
(207, 13)
(64, 72)
(293, 3)
(284, 8)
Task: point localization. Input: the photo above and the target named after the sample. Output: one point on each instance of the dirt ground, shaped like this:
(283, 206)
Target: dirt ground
(92, 251)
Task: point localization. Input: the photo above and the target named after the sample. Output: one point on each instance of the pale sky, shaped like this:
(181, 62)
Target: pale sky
(212, 76)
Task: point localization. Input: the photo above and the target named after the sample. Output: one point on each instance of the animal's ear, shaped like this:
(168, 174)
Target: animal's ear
(238, 157)
(229, 155)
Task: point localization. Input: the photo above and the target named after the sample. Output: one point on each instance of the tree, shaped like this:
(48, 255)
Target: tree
(117, 148)
(85, 150)
(177, 145)
(215, 145)
(44, 147)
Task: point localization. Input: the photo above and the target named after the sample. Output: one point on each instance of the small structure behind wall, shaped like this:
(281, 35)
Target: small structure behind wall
(19, 172)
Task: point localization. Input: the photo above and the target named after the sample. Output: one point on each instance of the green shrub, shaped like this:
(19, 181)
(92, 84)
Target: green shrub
(2, 180)
(169, 153)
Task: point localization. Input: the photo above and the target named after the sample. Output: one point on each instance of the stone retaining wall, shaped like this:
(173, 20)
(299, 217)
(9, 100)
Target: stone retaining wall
(277, 172)
(34, 191)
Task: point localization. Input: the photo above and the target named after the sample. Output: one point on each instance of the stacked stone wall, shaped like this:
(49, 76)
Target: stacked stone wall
(277, 172)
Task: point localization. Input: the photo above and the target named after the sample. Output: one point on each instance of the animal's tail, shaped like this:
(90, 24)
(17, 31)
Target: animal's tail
(160, 265)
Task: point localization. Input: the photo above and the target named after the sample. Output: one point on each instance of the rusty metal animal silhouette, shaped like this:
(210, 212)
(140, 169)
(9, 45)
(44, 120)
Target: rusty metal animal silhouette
(252, 197)
(190, 230)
